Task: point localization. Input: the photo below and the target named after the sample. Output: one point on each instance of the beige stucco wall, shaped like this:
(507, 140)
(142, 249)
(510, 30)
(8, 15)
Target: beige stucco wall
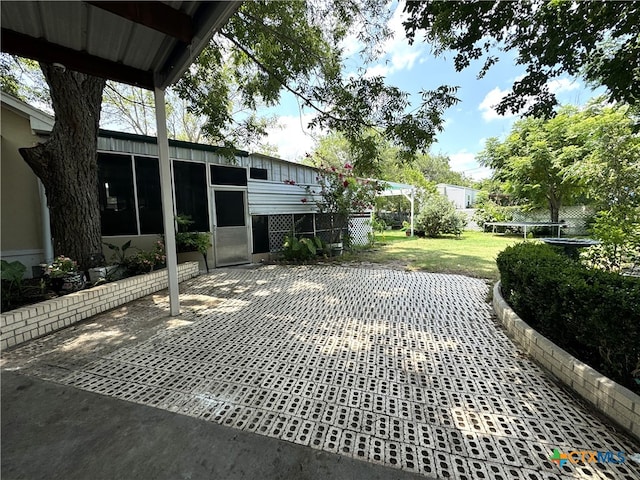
(20, 200)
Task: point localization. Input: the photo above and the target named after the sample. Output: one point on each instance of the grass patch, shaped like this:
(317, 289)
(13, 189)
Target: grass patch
(472, 254)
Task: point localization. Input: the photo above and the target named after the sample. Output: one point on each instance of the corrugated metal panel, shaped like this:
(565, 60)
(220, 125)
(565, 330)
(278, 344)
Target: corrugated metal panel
(271, 198)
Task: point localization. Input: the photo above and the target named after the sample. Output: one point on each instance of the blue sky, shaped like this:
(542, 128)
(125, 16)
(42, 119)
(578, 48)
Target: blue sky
(413, 68)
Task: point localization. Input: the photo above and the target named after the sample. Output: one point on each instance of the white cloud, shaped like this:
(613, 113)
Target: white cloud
(561, 85)
(491, 99)
(462, 161)
(377, 70)
(292, 137)
(465, 162)
(488, 104)
(398, 55)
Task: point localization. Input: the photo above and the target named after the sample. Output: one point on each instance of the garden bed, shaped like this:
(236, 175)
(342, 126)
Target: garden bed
(617, 402)
(26, 323)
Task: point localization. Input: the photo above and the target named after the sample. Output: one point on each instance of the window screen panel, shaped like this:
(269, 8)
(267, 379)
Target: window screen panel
(258, 173)
(222, 175)
(260, 230)
(115, 189)
(191, 193)
(149, 196)
(230, 208)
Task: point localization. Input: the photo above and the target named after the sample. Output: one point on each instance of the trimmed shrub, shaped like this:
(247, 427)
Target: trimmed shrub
(593, 314)
(438, 216)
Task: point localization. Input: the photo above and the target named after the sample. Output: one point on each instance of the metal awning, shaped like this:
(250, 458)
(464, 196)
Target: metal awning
(392, 189)
(146, 44)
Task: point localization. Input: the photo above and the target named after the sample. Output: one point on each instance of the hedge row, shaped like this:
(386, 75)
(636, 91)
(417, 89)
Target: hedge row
(593, 314)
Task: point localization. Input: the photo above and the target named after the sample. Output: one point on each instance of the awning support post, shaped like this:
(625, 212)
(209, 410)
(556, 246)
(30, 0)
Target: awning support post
(167, 202)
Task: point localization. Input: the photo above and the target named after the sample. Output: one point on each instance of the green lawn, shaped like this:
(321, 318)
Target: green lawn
(473, 253)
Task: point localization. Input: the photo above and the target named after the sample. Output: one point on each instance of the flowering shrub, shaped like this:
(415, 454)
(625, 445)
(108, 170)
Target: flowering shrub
(62, 266)
(147, 261)
(340, 193)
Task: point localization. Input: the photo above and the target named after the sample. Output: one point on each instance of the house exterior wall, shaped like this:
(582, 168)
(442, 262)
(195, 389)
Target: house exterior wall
(280, 195)
(462, 197)
(21, 232)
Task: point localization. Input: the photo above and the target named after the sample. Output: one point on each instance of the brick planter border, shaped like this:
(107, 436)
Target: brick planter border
(615, 401)
(23, 324)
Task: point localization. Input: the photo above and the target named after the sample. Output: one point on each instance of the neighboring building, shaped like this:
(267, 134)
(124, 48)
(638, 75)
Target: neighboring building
(243, 201)
(462, 197)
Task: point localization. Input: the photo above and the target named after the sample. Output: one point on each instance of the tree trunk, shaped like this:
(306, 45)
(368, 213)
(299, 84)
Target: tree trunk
(554, 208)
(67, 163)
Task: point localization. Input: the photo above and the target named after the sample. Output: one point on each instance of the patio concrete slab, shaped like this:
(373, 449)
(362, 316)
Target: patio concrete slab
(52, 431)
(400, 369)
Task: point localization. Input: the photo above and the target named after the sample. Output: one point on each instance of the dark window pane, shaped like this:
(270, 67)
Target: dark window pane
(149, 197)
(229, 208)
(258, 173)
(303, 223)
(260, 226)
(115, 188)
(221, 175)
(191, 193)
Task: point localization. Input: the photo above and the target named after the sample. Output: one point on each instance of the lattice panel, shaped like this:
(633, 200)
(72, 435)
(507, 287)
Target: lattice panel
(574, 216)
(279, 227)
(360, 229)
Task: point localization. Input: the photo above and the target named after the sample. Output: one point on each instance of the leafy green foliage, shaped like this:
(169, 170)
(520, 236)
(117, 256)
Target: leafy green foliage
(595, 40)
(534, 161)
(339, 194)
(62, 266)
(593, 314)
(489, 211)
(619, 231)
(190, 241)
(119, 253)
(438, 216)
(301, 249)
(609, 148)
(145, 261)
(11, 274)
(269, 47)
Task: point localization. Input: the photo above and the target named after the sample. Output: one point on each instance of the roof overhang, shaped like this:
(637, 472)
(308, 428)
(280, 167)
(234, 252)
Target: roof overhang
(147, 44)
(392, 189)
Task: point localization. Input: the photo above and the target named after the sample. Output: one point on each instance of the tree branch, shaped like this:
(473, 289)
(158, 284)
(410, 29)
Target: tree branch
(308, 102)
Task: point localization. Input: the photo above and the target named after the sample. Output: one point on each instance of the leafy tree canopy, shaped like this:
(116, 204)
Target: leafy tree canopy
(270, 47)
(588, 154)
(532, 161)
(595, 40)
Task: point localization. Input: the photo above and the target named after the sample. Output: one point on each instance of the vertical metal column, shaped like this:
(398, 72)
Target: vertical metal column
(167, 202)
(47, 242)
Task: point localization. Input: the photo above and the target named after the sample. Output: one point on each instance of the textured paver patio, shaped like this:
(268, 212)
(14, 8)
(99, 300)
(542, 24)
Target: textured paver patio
(405, 369)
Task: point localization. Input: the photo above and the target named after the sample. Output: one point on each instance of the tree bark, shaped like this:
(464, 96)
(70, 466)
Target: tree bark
(554, 208)
(67, 163)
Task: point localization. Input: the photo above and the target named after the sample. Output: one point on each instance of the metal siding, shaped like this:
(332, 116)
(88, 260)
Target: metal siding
(274, 198)
(113, 46)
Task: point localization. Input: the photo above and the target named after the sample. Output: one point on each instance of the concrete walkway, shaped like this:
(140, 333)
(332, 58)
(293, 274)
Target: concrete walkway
(396, 369)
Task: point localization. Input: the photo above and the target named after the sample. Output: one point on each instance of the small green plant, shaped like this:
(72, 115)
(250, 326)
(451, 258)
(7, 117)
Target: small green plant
(11, 274)
(301, 249)
(438, 216)
(145, 261)
(119, 253)
(62, 266)
(188, 241)
(378, 226)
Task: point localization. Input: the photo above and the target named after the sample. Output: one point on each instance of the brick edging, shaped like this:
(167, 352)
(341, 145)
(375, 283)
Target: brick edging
(32, 321)
(617, 402)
